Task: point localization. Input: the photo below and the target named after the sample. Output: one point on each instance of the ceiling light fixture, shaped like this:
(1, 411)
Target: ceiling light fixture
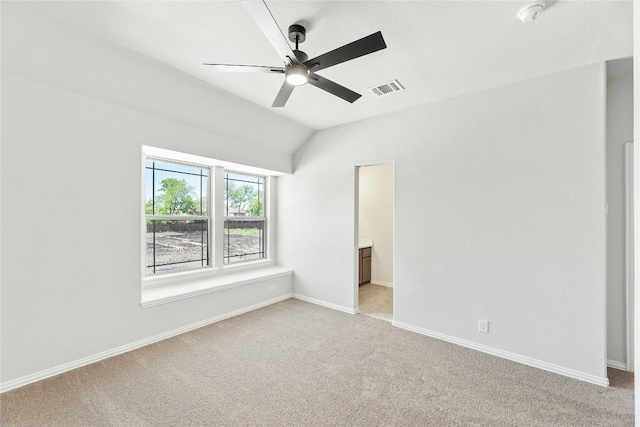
(531, 11)
(297, 75)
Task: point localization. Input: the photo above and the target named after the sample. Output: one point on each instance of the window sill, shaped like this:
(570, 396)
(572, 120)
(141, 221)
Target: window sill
(183, 277)
(156, 292)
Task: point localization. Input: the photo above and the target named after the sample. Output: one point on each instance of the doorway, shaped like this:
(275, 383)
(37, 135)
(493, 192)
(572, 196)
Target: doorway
(621, 375)
(619, 155)
(374, 237)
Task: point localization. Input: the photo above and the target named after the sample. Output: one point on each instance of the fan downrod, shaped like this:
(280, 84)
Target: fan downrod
(298, 34)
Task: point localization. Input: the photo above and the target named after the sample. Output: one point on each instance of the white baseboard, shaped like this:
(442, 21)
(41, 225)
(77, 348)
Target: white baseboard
(601, 381)
(382, 283)
(47, 373)
(325, 304)
(616, 365)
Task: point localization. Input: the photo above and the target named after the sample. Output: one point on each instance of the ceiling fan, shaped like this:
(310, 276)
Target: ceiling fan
(298, 68)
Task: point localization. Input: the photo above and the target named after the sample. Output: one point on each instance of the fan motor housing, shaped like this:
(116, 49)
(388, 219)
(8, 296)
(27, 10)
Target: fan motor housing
(302, 57)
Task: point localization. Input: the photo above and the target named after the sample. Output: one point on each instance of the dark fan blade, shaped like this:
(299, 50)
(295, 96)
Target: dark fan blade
(230, 68)
(333, 88)
(264, 19)
(356, 49)
(283, 95)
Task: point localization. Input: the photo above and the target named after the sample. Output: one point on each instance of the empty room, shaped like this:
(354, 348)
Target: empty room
(189, 213)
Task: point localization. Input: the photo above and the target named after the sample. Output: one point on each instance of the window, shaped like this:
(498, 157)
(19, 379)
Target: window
(244, 224)
(202, 217)
(177, 217)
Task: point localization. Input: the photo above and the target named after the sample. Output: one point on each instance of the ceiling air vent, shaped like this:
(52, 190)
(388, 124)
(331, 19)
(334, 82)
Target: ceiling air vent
(386, 88)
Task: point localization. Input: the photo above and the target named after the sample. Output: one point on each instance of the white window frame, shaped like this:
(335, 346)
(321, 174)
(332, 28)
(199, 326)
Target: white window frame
(208, 217)
(251, 218)
(215, 210)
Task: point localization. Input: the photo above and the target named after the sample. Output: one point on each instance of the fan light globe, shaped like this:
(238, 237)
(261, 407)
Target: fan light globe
(297, 75)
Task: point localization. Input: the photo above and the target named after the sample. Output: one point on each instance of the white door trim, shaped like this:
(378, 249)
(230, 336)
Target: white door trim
(629, 256)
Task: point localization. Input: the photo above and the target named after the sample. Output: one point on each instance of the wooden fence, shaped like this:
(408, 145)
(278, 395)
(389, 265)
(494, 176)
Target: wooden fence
(195, 226)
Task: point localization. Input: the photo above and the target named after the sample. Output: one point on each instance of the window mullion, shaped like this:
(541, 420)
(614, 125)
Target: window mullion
(218, 201)
(269, 212)
(178, 217)
(153, 211)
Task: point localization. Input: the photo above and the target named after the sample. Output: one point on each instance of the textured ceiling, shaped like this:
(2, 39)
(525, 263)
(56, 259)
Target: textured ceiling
(435, 49)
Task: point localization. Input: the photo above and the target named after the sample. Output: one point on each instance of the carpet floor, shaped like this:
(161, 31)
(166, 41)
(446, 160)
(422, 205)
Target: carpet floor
(298, 364)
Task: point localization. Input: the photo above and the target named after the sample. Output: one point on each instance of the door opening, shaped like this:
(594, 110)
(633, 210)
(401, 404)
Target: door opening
(374, 237)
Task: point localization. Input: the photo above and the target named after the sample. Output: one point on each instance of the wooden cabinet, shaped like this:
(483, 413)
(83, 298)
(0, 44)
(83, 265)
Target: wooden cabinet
(364, 270)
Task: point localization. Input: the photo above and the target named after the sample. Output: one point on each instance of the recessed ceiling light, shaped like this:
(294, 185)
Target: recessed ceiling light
(531, 11)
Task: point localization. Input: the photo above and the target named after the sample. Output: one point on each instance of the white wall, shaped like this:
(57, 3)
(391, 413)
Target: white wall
(499, 213)
(619, 131)
(37, 47)
(71, 191)
(636, 194)
(376, 219)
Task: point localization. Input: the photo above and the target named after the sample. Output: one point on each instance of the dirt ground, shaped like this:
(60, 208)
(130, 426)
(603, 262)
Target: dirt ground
(191, 246)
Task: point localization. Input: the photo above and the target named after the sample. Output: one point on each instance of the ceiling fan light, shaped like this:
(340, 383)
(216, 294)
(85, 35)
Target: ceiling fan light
(297, 75)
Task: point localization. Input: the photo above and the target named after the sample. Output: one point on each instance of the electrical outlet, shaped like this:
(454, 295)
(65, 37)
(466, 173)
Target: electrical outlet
(273, 288)
(483, 326)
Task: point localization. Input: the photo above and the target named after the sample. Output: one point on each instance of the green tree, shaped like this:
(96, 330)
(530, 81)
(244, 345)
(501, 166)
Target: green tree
(240, 197)
(255, 207)
(175, 197)
(149, 207)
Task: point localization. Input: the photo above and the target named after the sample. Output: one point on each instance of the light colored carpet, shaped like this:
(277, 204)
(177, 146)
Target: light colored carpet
(376, 301)
(298, 364)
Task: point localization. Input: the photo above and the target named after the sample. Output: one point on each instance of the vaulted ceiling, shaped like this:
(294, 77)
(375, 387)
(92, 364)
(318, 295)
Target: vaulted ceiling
(435, 49)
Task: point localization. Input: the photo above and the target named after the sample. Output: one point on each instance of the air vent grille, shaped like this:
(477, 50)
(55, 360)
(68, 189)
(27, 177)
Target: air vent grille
(387, 88)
